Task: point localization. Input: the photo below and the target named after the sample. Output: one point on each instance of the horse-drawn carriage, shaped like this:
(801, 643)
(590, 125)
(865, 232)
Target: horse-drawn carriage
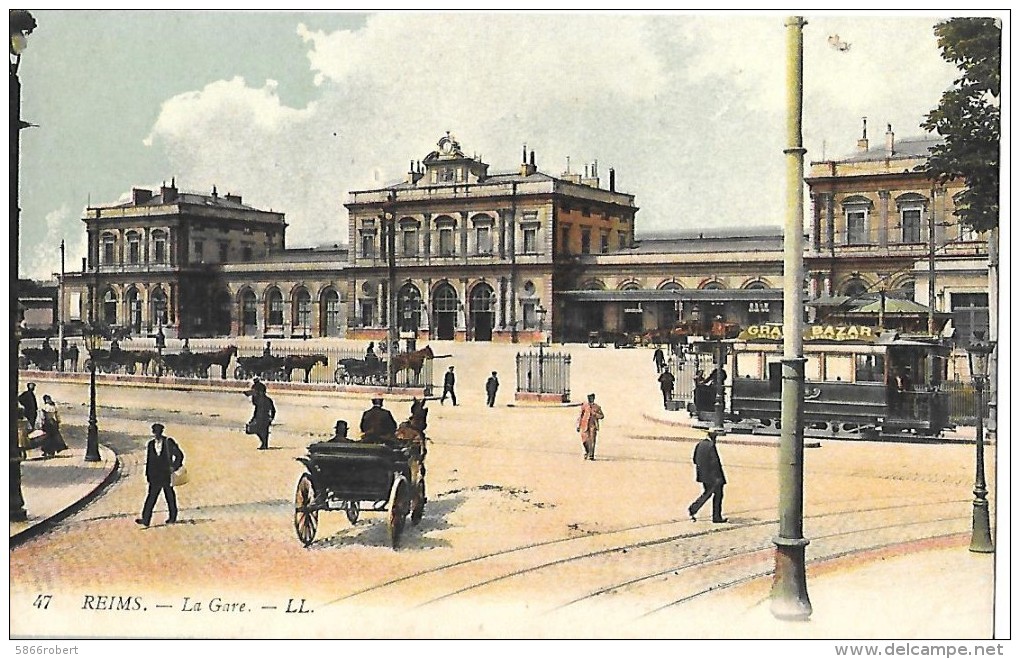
(116, 359)
(360, 371)
(386, 476)
(45, 358)
(197, 364)
(266, 367)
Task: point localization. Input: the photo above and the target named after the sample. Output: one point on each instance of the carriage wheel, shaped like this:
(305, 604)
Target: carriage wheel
(239, 373)
(418, 503)
(340, 375)
(399, 504)
(353, 511)
(87, 365)
(306, 519)
(129, 368)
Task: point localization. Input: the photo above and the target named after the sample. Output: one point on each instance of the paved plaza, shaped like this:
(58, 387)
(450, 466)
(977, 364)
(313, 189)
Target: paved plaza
(501, 478)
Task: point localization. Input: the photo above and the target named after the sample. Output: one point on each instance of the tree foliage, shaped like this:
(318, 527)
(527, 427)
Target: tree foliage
(968, 117)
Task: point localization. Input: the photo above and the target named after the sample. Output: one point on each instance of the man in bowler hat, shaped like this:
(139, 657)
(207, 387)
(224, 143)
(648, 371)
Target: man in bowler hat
(162, 458)
(377, 424)
(710, 475)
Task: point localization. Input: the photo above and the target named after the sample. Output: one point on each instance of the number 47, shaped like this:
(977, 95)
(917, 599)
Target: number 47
(42, 601)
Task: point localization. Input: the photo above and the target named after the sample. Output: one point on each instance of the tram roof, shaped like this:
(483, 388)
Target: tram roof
(674, 294)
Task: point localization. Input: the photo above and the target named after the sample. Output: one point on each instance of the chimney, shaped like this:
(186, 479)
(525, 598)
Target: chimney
(526, 168)
(890, 141)
(169, 195)
(84, 264)
(612, 180)
(590, 178)
(413, 175)
(140, 195)
(236, 198)
(862, 144)
(214, 193)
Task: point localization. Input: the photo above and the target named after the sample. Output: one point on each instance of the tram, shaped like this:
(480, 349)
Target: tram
(860, 382)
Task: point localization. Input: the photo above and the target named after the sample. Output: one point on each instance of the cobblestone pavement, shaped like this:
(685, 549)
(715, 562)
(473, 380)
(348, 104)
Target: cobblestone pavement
(512, 507)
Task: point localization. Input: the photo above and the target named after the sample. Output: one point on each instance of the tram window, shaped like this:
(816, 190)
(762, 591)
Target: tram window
(839, 367)
(870, 368)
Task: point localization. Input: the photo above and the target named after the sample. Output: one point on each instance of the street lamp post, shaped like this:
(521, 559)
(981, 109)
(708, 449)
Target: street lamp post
(789, 597)
(720, 388)
(541, 311)
(22, 24)
(93, 341)
(390, 226)
(981, 533)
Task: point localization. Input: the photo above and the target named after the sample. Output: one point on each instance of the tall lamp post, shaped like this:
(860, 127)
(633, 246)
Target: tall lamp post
(22, 24)
(789, 597)
(978, 359)
(93, 341)
(541, 311)
(390, 226)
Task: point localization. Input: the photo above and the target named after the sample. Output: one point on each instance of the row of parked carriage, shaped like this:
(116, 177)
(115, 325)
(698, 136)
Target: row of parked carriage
(368, 371)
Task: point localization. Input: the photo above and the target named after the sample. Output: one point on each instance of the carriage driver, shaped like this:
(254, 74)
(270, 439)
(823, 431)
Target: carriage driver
(377, 424)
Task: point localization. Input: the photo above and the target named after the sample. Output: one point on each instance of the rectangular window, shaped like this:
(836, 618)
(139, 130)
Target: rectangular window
(108, 250)
(970, 315)
(586, 241)
(910, 218)
(870, 368)
(565, 240)
(159, 250)
(199, 255)
(605, 242)
(623, 240)
(530, 320)
(530, 240)
(224, 250)
(483, 240)
(410, 240)
(246, 253)
(857, 227)
(367, 313)
(446, 241)
(134, 252)
(276, 310)
(368, 245)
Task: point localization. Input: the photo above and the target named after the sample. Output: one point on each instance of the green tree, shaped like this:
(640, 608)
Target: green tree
(968, 117)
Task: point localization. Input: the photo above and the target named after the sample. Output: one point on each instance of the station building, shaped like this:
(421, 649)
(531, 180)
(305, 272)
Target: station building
(519, 255)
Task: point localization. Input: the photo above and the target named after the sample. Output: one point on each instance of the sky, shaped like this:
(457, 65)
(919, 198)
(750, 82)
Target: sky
(292, 110)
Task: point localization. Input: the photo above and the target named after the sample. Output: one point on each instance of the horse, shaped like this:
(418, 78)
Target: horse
(304, 362)
(415, 360)
(45, 358)
(205, 360)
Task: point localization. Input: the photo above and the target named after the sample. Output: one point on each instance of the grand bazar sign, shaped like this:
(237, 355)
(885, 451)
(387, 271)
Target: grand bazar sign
(861, 333)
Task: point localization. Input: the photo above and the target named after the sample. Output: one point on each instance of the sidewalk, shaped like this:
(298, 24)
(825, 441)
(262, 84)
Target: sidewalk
(56, 488)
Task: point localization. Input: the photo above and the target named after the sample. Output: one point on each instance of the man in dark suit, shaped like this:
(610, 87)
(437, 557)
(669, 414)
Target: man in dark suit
(448, 382)
(710, 475)
(162, 458)
(30, 403)
(377, 424)
(491, 386)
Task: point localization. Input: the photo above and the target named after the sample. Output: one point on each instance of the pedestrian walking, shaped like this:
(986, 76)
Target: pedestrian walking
(448, 382)
(588, 425)
(30, 403)
(491, 386)
(162, 458)
(23, 442)
(709, 473)
(660, 360)
(263, 414)
(666, 382)
(53, 442)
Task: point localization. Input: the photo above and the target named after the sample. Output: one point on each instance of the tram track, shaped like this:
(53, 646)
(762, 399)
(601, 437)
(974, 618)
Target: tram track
(639, 544)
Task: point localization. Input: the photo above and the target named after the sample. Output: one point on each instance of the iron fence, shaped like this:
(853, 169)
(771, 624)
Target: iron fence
(543, 372)
(962, 402)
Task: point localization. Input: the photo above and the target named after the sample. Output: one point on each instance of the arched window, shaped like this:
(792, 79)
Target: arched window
(713, 286)
(855, 288)
(483, 304)
(110, 307)
(134, 308)
(157, 303)
(274, 305)
(134, 247)
(159, 252)
(409, 308)
(303, 310)
(330, 305)
(249, 312)
(444, 308)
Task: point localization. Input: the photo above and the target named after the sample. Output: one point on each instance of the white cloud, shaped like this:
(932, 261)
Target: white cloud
(41, 260)
(689, 110)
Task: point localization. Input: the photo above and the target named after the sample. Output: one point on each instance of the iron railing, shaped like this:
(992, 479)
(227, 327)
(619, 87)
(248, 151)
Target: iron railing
(543, 372)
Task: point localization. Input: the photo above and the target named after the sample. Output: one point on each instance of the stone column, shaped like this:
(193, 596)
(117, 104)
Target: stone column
(883, 218)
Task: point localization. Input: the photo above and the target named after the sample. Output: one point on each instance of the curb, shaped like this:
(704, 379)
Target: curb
(46, 523)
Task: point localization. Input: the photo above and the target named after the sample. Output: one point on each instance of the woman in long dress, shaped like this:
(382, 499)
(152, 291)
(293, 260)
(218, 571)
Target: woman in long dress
(53, 442)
